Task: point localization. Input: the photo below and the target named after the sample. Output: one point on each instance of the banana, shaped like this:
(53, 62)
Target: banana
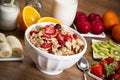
(15, 45)
(2, 37)
(5, 50)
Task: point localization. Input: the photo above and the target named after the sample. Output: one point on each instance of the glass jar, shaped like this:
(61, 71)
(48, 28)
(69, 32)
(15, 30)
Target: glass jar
(9, 10)
(65, 10)
(37, 4)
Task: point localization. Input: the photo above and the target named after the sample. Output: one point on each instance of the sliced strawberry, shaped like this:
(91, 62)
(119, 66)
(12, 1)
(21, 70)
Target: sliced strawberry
(75, 36)
(31, 32)
(68, 38)
(46, 36)
(97, 70)
(60, 39)
(50, 51)
(59, 36)
(50, 30)
(46, 45)
(61, 42)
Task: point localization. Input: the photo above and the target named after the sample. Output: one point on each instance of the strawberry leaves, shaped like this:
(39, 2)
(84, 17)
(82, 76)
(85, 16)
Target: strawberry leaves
(109, 69)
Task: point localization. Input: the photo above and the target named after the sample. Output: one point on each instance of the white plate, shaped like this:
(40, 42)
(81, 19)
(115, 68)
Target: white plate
(94, 41)
(102, 35)
(12, 59)
(94, 76)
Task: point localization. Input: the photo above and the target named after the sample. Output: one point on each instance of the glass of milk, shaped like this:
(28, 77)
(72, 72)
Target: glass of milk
(65, 10)
(8, 15)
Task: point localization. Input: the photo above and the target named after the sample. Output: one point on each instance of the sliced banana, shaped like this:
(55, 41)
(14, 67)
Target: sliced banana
(5, 50)
(15, 45)
(2, 37)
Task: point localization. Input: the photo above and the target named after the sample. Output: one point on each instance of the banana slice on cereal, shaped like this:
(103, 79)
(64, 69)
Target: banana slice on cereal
(15, 45)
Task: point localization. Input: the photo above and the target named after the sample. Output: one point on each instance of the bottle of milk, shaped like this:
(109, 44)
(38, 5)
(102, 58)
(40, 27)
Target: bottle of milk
(8, 15)
(65, 10)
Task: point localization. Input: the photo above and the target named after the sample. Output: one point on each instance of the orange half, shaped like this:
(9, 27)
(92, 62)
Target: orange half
(28, 16)
(49, 19)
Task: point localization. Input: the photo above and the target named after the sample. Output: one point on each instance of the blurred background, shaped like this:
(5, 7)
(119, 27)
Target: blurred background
(98, 6)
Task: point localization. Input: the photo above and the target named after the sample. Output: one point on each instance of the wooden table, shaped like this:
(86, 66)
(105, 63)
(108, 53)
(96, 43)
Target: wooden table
(26, 69)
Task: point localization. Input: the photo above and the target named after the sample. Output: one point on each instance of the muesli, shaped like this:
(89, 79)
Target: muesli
(57, 40)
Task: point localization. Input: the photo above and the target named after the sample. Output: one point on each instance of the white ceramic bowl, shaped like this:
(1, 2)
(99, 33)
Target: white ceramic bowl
(49, 63)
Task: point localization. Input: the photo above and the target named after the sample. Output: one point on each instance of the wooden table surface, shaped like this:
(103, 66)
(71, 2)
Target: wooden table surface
(26, 69)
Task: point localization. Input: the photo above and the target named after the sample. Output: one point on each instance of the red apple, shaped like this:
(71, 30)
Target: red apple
(80, 16)
(94, 17)
(97, 27)
(83, 26)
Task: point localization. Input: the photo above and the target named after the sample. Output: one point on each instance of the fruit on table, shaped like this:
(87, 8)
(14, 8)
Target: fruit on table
(110, 19)
(80, 16)
(106, 49)
(108, 67)
(97, 27)
(49, 19)
(83, 26)
(93, 23)
(27, 17)
(94, 17)
(97, 70)
(107, 61)
(112, 69)
(115, 77)
(116, 32)
(10, 46)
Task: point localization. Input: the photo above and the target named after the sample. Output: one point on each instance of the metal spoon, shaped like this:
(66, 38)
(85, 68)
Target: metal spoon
(83, 65)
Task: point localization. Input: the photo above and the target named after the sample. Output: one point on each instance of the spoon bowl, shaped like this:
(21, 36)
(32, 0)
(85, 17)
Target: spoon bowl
(83, 65)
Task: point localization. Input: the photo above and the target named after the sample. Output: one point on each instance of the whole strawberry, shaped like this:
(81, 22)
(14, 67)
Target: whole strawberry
(97, 70)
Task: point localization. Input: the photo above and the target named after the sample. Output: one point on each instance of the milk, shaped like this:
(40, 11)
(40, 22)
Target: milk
(8, 17)
(65, 10)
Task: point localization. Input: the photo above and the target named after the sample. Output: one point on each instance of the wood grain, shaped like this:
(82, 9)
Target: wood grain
(26, 69)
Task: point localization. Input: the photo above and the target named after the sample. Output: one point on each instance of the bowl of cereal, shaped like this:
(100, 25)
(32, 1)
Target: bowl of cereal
(54, 47)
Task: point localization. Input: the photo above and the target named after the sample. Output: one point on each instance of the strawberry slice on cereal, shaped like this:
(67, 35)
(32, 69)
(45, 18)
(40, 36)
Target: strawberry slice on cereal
(59, 36)
(46, 45)
(35, 32)
(46, 36)
(68, 38)
(50, 30)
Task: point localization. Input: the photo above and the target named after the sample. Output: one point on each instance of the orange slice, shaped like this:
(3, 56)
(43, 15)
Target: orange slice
(49, 19)
(27, 17)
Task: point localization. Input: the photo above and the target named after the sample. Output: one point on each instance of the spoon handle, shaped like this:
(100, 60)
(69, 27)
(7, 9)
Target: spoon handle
(85, 78)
